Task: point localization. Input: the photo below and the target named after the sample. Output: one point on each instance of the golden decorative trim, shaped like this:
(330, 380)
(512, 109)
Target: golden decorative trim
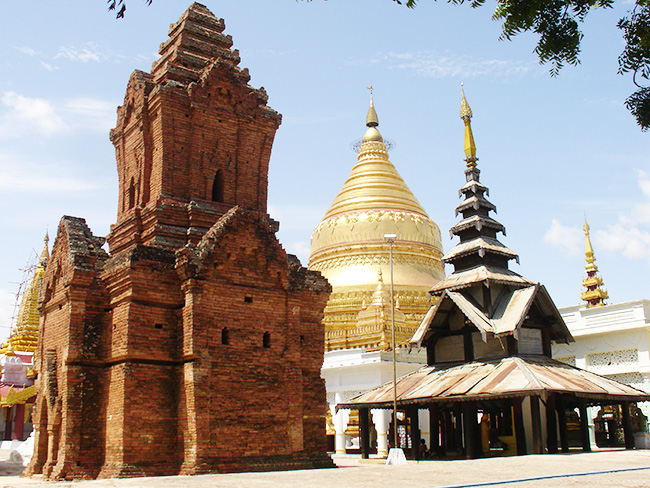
(15, 397)
(364, 259)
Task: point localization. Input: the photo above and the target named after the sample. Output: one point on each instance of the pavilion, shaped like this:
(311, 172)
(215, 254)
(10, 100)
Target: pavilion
(490, 384)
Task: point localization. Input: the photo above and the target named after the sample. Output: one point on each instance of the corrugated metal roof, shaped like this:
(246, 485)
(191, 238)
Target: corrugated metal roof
(511, 311)
(507, 377)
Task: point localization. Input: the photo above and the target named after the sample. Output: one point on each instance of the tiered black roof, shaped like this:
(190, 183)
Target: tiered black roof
(479, 256)
(477, 230)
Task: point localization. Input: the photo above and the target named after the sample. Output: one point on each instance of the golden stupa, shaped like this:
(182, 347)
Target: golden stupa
(594, 293)
(349, 249)
(24, 335)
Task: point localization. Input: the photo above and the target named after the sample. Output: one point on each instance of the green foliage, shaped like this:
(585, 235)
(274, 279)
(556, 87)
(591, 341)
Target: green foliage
(639, 104)
(557, 23)
(636, 58)
(119, 6)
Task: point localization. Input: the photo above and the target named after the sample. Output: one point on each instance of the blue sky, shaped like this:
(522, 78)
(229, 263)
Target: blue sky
(550, 149)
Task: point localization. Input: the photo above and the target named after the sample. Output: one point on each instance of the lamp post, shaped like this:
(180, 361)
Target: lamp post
(390, 238)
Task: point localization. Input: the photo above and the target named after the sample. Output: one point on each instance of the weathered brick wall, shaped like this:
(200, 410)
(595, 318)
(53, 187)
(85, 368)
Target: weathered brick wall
(73, 301)
(136, 374)
(193, 117)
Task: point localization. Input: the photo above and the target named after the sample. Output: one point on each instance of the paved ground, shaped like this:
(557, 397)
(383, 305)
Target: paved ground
(353, 473)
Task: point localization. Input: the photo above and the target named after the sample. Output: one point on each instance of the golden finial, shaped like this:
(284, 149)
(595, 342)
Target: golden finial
(589, 250)
(594, 295)
(10, 350)
(371, 119)
(45, 253)
(466, 116)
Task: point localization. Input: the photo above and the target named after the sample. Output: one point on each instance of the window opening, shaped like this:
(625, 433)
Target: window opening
(225, 336)
(132, 193)
(217, 187)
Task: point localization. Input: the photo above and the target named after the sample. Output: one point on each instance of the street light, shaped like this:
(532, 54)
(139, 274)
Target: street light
(396, 456)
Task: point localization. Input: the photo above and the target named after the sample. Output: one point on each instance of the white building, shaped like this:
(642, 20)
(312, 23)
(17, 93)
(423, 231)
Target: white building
(611, 340)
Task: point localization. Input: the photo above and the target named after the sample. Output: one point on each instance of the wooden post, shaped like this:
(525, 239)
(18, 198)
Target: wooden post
(536, 419)
(447, 433)
(415, 432)
(584, 426)
(19, 423)
(471, 431)
(520, 433)
(8, 422)
(364, 433)
(627, 426)
(561, 420)
(551, 425)
(434, 428)
(458, 431)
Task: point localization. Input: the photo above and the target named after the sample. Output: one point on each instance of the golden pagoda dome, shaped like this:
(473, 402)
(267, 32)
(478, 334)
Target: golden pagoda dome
(348, 246)
(24, 335)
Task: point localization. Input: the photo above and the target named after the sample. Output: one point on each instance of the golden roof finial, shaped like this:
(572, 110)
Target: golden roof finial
(589, 250)
(371, 119)
(45, 253)
(594, 295)
(10, 350)
(466, 116)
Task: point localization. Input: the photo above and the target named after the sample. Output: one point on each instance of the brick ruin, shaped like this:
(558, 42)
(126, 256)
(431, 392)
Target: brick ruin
(195, 345)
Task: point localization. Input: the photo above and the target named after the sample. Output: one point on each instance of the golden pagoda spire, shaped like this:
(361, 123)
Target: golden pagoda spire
(348, 246)
(594, 295)
(470, 147)
(45, 253)
(24, 336)
(371, 119)
(374, 183)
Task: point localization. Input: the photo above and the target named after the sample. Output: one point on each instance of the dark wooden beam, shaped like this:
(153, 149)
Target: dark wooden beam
(364, 432)
(412, 413)
(584, 426)
(471, 431)
(434, 429)
(520, 433)
(536, 419)
(561, 418)
(627, 425)
(551, 424)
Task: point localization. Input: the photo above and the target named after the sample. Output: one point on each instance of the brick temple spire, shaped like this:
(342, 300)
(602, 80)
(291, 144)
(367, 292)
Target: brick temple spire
(193, 139)
(195, 42)
(594, 294)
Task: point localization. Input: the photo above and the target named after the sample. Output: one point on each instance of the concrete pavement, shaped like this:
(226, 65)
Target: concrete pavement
(354, 473)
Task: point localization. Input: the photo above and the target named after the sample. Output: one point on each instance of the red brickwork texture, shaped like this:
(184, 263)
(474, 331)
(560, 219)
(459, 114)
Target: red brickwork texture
(195, 345)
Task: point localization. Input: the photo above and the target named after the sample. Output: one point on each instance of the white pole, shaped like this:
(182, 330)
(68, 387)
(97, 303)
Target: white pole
(396, 455)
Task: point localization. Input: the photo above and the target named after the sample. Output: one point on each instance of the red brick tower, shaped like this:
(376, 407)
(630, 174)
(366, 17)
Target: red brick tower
(196, 344)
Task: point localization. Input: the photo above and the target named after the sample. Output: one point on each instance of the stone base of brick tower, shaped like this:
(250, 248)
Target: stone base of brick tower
(166, 468)
(259, 464)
